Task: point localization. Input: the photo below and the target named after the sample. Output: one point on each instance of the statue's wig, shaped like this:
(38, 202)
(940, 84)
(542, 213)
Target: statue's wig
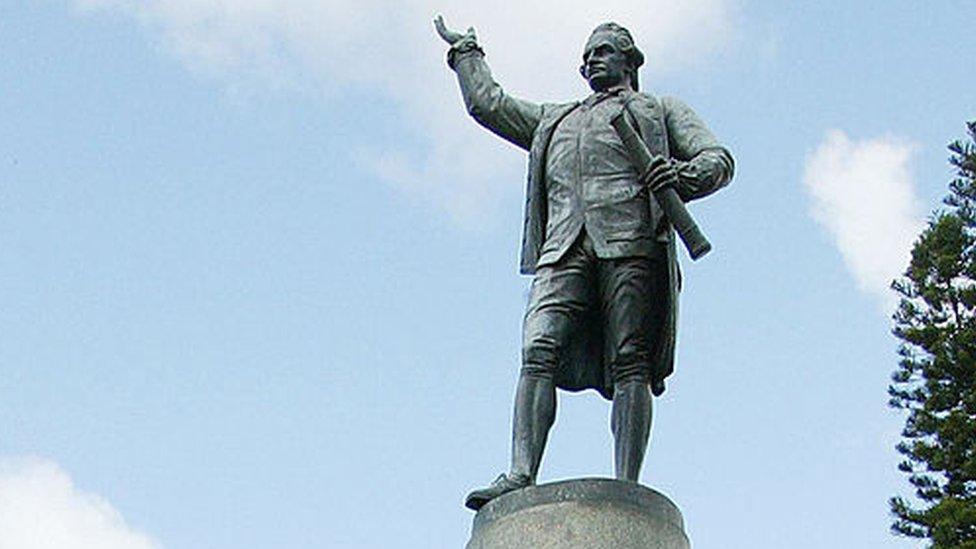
(624, 42)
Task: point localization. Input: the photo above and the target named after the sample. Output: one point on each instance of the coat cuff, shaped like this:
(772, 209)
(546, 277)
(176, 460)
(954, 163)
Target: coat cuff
(462, 48)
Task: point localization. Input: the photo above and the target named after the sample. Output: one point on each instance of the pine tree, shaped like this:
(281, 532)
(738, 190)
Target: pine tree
(936, 378)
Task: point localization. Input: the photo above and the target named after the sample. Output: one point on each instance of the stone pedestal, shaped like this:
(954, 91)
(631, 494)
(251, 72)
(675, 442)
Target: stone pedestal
(585, 513)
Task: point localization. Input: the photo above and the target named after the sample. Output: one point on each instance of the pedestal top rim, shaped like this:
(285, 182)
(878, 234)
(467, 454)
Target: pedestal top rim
(586, 491)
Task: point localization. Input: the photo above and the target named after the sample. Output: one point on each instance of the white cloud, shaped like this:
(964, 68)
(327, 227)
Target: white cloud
(390, 46)
(40, 508)
(864, 195)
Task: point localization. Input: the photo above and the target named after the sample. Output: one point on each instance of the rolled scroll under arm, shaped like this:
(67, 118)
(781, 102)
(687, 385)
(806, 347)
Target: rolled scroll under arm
(674, 208)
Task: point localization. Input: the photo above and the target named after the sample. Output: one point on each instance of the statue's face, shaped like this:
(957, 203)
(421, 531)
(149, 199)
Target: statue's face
(604, 65)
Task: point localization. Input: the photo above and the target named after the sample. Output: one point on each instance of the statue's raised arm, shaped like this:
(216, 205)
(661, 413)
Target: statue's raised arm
(511, 118)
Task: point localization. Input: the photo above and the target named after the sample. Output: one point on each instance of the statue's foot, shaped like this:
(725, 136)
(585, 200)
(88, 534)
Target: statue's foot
(505, 483)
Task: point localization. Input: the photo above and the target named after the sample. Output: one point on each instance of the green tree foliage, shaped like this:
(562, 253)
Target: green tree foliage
(936, 378)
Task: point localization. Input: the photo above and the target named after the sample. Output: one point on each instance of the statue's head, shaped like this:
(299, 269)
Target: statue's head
(611, 58)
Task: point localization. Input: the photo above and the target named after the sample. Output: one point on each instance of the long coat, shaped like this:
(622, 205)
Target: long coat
(668, 127)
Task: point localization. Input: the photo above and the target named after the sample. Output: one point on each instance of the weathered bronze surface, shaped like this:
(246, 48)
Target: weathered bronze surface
(603, 303)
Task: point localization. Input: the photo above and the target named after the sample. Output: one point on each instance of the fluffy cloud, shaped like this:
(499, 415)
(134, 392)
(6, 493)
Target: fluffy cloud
(864, 195)
(390, 46)
(40, 508)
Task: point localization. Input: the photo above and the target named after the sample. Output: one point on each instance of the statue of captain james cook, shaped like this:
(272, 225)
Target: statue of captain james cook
(603, 302)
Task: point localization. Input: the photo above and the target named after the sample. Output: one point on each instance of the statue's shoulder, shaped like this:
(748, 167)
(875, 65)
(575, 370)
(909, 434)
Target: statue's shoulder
(557, 110)
(647, 98)
(673, 105)
(667, 107)
(644, 103)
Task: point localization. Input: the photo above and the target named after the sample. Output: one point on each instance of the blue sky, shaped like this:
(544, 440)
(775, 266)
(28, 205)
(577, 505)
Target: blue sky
(258, 284)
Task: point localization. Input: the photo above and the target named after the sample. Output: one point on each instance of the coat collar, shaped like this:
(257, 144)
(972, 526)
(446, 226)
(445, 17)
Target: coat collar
(614, 91)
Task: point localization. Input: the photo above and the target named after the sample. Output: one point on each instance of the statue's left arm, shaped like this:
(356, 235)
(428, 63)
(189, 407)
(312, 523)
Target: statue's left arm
(703, 165)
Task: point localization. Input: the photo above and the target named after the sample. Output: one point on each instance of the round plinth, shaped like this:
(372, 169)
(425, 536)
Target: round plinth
(585, 513)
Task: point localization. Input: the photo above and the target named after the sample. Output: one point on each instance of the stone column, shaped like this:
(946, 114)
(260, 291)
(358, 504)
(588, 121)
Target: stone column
(574, 514)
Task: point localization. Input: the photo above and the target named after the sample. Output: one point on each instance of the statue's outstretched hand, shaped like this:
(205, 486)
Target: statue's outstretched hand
(449, 36)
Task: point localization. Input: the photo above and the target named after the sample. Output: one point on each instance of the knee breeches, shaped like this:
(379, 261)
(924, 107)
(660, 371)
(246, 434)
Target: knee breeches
(623, 294)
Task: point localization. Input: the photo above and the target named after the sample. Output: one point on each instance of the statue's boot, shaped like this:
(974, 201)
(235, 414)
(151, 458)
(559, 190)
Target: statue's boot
(631, 425)
(535, 412)
(505, 483)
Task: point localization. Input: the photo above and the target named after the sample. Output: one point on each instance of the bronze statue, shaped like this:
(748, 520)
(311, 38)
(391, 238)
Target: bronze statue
(603, 303)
